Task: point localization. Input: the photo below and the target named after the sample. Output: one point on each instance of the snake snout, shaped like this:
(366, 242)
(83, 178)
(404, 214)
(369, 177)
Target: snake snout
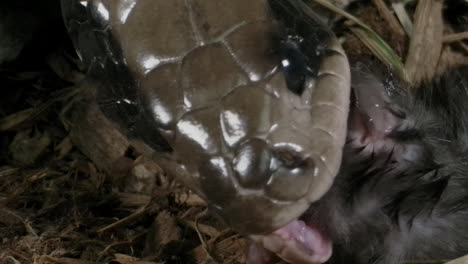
(282, 173)
(263, 187)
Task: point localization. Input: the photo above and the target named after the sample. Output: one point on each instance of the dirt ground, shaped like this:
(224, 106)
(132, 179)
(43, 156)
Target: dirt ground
(58, 206)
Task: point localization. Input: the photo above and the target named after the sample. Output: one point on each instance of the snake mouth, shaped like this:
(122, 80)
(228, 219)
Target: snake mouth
(297, 242)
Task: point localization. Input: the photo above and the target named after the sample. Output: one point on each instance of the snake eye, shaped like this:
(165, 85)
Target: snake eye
(294, 65)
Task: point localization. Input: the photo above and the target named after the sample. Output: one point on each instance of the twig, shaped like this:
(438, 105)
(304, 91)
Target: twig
(121, 243)
(389, 17)
(8, 172)
(136, 215)
(455, 37)
(205, 229)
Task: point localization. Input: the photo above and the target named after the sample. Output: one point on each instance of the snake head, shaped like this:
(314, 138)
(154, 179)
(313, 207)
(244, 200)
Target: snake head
(249, 97)
(285, 133)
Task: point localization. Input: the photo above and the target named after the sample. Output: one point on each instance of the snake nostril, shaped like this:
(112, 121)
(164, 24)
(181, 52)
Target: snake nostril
(252, 163)
(291, 176)
(290, 158)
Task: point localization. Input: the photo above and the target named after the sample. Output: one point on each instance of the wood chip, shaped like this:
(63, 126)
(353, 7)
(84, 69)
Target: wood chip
(98, 138)
(143, 176)
(29, 145)
(222, 251)
(133, 200)
(64, 147)
(189, 199)
(163, 231)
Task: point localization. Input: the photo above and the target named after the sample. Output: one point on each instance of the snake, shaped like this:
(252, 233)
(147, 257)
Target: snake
(247, 101)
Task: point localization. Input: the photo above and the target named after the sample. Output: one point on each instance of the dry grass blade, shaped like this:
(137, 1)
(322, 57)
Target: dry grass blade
(423, 55)
(125, 259)
(403, 17)
(371, 39)
(462, 260)
(13, 260)
(121, 243)
(455, 37)
(380, 49)
(52, 260)
(15, 120)
(424, 262)
(8, 171)
(21, 118)
(11, 217)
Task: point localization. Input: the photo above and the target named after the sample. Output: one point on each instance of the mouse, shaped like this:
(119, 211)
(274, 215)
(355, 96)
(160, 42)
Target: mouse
(401, 193)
